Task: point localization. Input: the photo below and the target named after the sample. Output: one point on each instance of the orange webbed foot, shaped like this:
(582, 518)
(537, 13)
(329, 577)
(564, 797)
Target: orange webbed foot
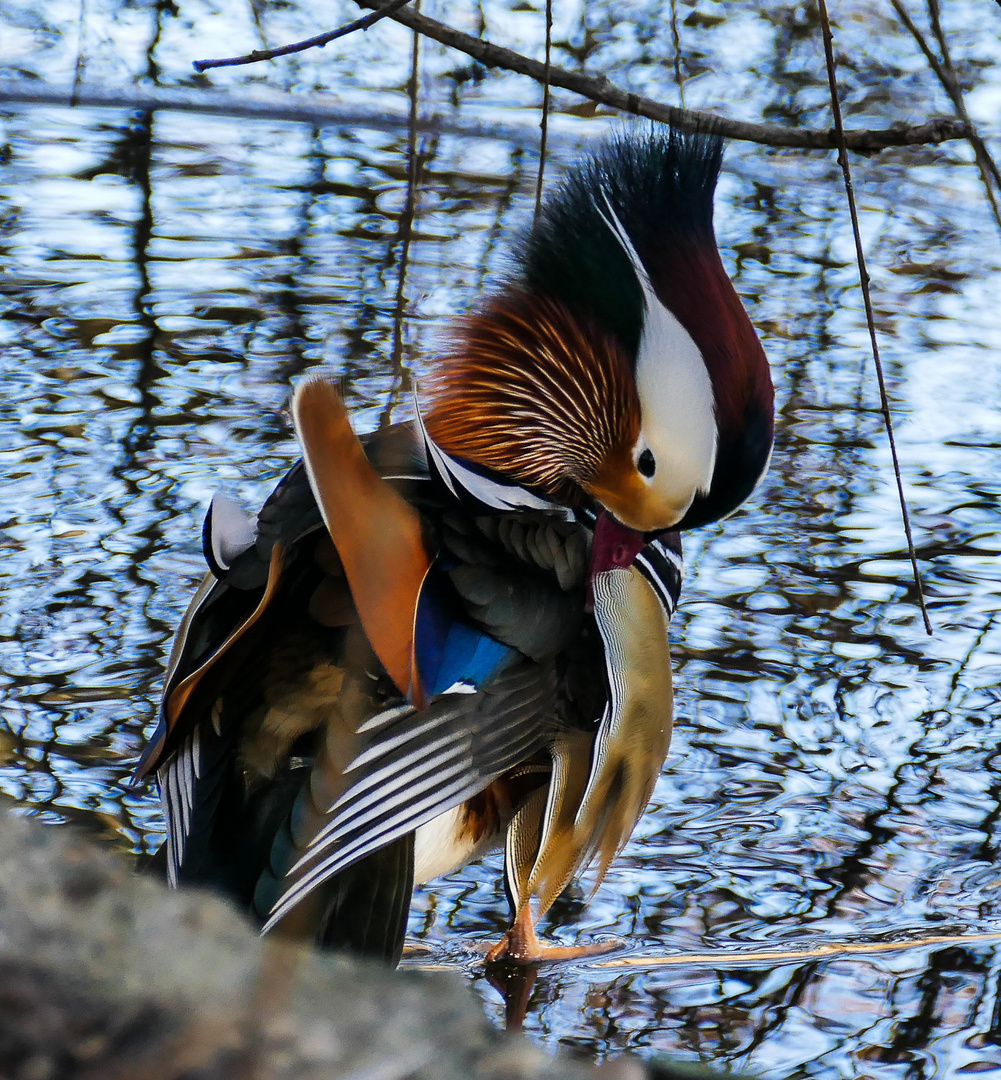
(521, 945)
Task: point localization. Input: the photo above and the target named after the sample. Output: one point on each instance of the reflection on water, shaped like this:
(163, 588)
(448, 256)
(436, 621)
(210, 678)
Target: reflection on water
(834, 775)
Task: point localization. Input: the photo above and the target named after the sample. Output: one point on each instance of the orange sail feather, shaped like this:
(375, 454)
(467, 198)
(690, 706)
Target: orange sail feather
(377, 534)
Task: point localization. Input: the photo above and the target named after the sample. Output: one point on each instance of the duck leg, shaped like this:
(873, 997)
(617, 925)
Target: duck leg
(521, 945)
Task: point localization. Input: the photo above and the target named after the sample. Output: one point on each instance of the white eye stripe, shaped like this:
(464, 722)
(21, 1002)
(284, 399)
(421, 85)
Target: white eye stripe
(622, 236)
(677, 404)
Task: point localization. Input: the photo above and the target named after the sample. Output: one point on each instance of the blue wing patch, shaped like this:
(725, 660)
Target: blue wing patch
(451, 655)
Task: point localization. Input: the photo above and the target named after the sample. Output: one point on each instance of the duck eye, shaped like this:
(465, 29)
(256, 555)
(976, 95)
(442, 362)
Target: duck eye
(646, 464)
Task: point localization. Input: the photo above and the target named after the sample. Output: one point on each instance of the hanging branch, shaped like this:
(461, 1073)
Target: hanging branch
(406, 229)
(544, 124)
(884, 400)
(300, 46)
(947, 76)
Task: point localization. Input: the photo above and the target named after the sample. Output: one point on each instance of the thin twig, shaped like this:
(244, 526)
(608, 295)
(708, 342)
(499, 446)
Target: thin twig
(947, 76)
(884, 400)
(406, 222)
(676, 38)
(255, 11)
(316, 42)
(727, 957)
(544, 123)
(985, 162)
(406, 228)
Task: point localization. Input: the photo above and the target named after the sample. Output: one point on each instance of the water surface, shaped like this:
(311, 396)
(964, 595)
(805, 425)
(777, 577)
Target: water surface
(835, 775)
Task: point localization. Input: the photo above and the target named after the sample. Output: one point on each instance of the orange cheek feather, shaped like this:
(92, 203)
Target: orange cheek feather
(621, 490)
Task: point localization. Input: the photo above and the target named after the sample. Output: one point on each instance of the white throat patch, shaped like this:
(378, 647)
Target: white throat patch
(677, 408)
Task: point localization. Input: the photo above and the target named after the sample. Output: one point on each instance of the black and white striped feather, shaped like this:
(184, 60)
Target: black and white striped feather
(413, 767)
(662, 564)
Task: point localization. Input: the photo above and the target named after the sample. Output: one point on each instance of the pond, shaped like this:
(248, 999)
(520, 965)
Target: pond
(834, 784)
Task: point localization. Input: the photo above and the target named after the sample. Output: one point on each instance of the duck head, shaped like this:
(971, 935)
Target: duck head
(616, 368)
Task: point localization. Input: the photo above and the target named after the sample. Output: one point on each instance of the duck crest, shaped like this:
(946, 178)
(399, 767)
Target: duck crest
(659, 185)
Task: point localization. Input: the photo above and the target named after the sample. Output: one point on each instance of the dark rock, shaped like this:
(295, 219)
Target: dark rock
(107, 975)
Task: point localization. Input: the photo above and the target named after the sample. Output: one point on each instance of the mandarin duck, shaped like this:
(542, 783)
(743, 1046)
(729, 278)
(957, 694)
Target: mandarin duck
(451, 634)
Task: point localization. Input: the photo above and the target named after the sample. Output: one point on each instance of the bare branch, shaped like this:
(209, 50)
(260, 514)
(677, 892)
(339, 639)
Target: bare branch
(884, 400)
(604, 92)
(316, 42)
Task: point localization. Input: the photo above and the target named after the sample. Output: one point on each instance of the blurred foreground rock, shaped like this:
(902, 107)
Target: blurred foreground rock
(108, 976)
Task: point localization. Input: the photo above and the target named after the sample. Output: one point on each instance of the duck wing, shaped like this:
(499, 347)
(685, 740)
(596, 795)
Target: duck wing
(264, 575)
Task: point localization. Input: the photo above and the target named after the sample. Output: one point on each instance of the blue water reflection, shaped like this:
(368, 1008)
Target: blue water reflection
(834, 775)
